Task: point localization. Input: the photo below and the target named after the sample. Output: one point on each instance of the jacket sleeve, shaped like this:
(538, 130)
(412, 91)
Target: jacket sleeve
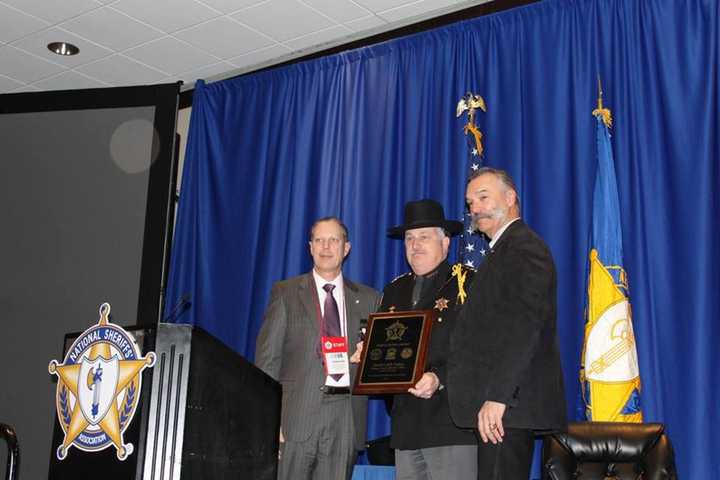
(269, 344)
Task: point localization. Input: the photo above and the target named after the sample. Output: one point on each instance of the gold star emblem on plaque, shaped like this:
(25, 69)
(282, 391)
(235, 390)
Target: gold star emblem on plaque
(395, 331)
(441, 303)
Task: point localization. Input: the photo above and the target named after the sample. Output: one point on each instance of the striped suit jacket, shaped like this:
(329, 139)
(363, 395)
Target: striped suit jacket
(287, 351)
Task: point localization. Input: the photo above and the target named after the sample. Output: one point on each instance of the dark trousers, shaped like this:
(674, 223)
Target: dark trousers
(509, 460)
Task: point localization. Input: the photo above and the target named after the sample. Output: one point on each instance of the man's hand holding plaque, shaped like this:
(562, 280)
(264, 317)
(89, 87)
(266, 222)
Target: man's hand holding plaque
(392, 357)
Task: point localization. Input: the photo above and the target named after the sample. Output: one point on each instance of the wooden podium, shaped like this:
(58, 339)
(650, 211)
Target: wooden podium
(204, 413)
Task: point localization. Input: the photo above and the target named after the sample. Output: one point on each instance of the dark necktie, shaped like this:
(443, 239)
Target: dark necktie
(331, 318)
(417, 290)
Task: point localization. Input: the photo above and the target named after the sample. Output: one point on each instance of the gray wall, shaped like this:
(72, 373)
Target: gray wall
(73, 193)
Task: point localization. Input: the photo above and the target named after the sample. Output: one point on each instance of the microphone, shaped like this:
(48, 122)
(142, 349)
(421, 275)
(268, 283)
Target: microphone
(180, 307)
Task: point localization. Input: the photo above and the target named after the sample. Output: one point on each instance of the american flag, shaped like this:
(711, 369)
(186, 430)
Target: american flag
(473, 244)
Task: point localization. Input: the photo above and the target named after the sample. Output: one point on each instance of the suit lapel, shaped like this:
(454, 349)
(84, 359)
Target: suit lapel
(308, 295)
(352, 314)
(497, 249)
(511, 230)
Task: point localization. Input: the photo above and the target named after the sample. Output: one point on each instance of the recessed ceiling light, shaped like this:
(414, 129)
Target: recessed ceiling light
(63, 48)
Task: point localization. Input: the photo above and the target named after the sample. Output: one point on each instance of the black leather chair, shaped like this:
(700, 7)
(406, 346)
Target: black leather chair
(607, 450)
(13, 458)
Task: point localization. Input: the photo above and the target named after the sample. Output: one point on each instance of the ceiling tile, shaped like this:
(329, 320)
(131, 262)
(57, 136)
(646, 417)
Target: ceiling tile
(53, 11)
(68, 81)
(37, 45)
(200, 36)
(8, 84)
(283, 19)
(22, 66)
(120, 70)
(339, 10)
(316, 39)
(381, 5)
(224, 38)
(259, 56)
(229, 6)
(112, 29)
(422, 7)
(15, 24)
(26, 88)
(367, 23)
(167, 15)
(171, 56)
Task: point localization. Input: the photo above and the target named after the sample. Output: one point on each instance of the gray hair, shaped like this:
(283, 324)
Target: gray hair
(501, 175)
(442, 233)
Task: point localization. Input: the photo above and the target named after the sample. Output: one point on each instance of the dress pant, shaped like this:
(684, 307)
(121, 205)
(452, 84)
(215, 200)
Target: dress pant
(510, 459)
(328, 454)
(452, 462)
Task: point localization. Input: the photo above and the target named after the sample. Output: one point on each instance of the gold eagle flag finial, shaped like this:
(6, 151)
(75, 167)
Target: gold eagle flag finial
(471, 102)
(600, 111)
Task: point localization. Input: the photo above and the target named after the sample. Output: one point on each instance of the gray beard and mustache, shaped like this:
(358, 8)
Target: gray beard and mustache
(497, 213)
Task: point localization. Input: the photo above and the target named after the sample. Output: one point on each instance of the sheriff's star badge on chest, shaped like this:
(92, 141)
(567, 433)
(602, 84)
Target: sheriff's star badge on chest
(441, 303)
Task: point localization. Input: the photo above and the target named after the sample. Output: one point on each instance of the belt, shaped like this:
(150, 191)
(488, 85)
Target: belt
(328, 390)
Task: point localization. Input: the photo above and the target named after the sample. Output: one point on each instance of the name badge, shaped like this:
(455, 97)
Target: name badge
(337, 363)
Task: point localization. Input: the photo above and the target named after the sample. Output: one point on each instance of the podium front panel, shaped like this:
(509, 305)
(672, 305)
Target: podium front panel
(204, 412)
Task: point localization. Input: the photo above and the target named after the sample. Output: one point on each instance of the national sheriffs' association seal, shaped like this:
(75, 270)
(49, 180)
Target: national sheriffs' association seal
(98, 388)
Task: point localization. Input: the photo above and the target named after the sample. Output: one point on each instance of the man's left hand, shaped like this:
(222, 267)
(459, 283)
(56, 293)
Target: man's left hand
(358, 351)
(490, 422)
(426, 386)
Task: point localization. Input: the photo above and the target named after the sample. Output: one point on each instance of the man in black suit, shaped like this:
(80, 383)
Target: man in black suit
(504, 374)
(427, 444)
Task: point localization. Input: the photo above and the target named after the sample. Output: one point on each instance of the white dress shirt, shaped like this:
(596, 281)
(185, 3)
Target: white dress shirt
(499, 233)
(338, 293)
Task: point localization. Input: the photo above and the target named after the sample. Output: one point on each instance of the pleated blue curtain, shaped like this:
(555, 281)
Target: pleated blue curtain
(360, 133)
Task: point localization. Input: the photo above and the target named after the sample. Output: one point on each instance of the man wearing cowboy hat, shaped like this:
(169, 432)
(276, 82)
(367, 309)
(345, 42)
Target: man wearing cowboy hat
(427, 444)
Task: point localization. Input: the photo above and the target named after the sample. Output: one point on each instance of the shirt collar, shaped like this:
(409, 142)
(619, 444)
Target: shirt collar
(499, 233)
(320, 281)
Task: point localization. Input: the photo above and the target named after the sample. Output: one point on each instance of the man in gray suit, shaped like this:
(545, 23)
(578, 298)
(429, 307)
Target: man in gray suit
(322, 426)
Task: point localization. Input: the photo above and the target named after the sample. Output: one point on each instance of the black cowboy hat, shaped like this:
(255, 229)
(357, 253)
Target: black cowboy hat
(425, 213)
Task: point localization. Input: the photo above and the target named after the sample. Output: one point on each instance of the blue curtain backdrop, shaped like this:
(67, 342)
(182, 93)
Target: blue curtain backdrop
(359, 133)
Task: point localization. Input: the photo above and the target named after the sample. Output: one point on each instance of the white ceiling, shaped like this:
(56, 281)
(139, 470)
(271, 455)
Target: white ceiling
(131, 42)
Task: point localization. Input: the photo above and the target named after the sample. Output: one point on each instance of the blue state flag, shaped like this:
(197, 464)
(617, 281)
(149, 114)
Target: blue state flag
(609, 374)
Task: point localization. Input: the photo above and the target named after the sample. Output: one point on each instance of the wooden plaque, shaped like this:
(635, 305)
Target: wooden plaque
(393, 356)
